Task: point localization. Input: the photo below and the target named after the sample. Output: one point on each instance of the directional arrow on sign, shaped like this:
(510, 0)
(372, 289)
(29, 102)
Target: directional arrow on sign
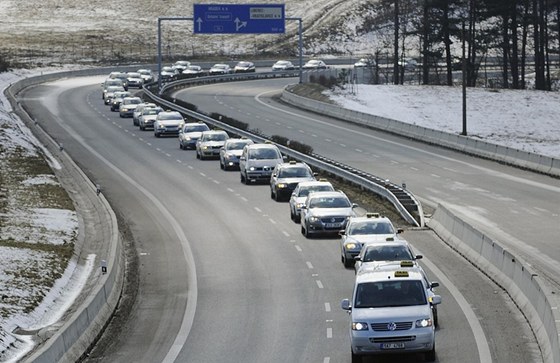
(199, 22)
(239, 24)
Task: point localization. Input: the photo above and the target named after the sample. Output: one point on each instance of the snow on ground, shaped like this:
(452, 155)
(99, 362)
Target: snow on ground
(36, 283)
(525, 120)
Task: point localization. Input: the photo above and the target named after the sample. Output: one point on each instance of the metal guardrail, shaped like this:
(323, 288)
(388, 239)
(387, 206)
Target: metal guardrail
(404, 201)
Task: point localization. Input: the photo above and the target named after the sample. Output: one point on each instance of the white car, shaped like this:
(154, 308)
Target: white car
(283, 65)
(138, 111)
(147, 75)
(219, 68)
(388, 307)
(257, 162)
(315, 64)
(300, 193)
(325, 213)
(210, 143)
(360, 231)
(148, 117)
(231, 152)
(190, 133)
(134, 79)
(168, 123)
(128, 105)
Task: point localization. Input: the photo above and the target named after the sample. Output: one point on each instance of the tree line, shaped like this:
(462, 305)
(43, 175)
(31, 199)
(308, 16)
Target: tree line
(521, 36)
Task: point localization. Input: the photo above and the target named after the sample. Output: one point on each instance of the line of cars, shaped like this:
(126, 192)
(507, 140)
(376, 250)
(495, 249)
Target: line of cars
(393, 308)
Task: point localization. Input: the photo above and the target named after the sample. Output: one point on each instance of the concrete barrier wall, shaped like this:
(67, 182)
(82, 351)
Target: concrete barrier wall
(519, 158)
(81, 330)
(525, 287)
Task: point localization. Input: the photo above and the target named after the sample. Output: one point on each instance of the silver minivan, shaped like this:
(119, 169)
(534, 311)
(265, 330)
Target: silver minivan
(257, 162)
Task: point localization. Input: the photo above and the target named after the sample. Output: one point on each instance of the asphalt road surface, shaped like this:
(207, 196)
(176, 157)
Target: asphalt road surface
(224, 274)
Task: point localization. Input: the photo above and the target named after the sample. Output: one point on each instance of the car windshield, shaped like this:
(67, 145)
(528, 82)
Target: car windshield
(263, 154)
(369, 227)
(114, 88)
(150, 111)
(196, 128)
(244, 64)
(390, 294)
(170, 116)
(220, 66)
(194, 68)
(294, 173)
(132, 101)
(387, 253)
(329, 202)
(215, 137)
(304, 191)
(236, 145)
(133, 75)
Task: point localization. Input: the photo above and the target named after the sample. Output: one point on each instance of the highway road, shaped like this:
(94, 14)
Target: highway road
(518, 209)
(223, 273)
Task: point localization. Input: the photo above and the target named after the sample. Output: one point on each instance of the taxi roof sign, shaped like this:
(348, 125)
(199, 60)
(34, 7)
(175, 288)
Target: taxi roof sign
(401, 273)
(407, 264)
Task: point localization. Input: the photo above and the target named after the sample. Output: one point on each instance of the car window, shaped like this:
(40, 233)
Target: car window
(215, 137)
(387, 253)
(264, 154)
(197, 128)
(390, 294)
(294, 173)
(170, 116)
(304, 191)
(369, 227)
(329, 202)
(150, 111)
(236, 145)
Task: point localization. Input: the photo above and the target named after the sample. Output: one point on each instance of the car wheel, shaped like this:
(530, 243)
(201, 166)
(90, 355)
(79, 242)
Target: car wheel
(347, 263)
(142, 128)
(180, 146)
(431, 355)
(292, 215)
(120, 115)
(436, 322)
(197, 156)
(356, 358)
(157, 135)
(297, 218)
(222, 166)
(272, 196)
(242, 178)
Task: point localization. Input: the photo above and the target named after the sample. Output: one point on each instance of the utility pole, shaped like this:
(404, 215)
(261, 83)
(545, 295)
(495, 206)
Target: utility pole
(464, 71)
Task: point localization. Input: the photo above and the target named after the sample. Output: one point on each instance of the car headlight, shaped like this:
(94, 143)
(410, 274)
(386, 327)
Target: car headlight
(282, 185)
(314, 219)
(252, 168)
(351, 246)
(423, 323)
(300, 205)
(360, 326)
(204, 147)
(187, 138)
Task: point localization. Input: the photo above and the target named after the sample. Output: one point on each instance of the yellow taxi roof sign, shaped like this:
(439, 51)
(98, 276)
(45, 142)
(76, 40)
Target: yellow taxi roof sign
(401, 273)
(407, 264)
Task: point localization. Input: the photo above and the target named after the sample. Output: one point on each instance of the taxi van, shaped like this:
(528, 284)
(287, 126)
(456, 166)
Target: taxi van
(391, 312)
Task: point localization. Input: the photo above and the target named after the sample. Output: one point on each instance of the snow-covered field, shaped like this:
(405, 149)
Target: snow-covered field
(525, 120)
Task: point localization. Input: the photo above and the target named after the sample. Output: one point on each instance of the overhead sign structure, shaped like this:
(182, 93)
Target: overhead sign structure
(239, 19)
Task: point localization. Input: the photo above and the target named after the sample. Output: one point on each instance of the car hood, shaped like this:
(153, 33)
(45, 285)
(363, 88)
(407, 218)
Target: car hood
(149, 117)
(328, 212)
(169, 122)
(369, 238)
(193, 135)
(293, 180)
(260, 163)
(236, 153)
(212, 143)
(391, 314)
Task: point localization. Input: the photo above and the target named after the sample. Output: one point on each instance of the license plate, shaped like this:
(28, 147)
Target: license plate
(392, 346)
(332, 225)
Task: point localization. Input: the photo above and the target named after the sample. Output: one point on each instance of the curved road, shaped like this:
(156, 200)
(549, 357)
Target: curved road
(517, 208)
(224, 274)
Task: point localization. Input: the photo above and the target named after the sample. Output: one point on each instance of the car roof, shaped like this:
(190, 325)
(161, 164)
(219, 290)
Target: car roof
(333, 193)
(314, 182)
(214, 132)
(262, 146)
(389, 272)
(370, 216)
(292, 165)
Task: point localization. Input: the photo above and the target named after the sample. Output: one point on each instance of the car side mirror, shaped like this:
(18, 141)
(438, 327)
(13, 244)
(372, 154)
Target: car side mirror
(354, 205)
(345, 305)
(342, 232)
(418, 257)
(434, 284)
(357, 258)
(435, 300)
(400, 230)
(242, 158)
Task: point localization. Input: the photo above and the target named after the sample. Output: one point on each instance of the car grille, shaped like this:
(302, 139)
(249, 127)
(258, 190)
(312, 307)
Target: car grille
(391, 326)
(408, 338)
(333, 219)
